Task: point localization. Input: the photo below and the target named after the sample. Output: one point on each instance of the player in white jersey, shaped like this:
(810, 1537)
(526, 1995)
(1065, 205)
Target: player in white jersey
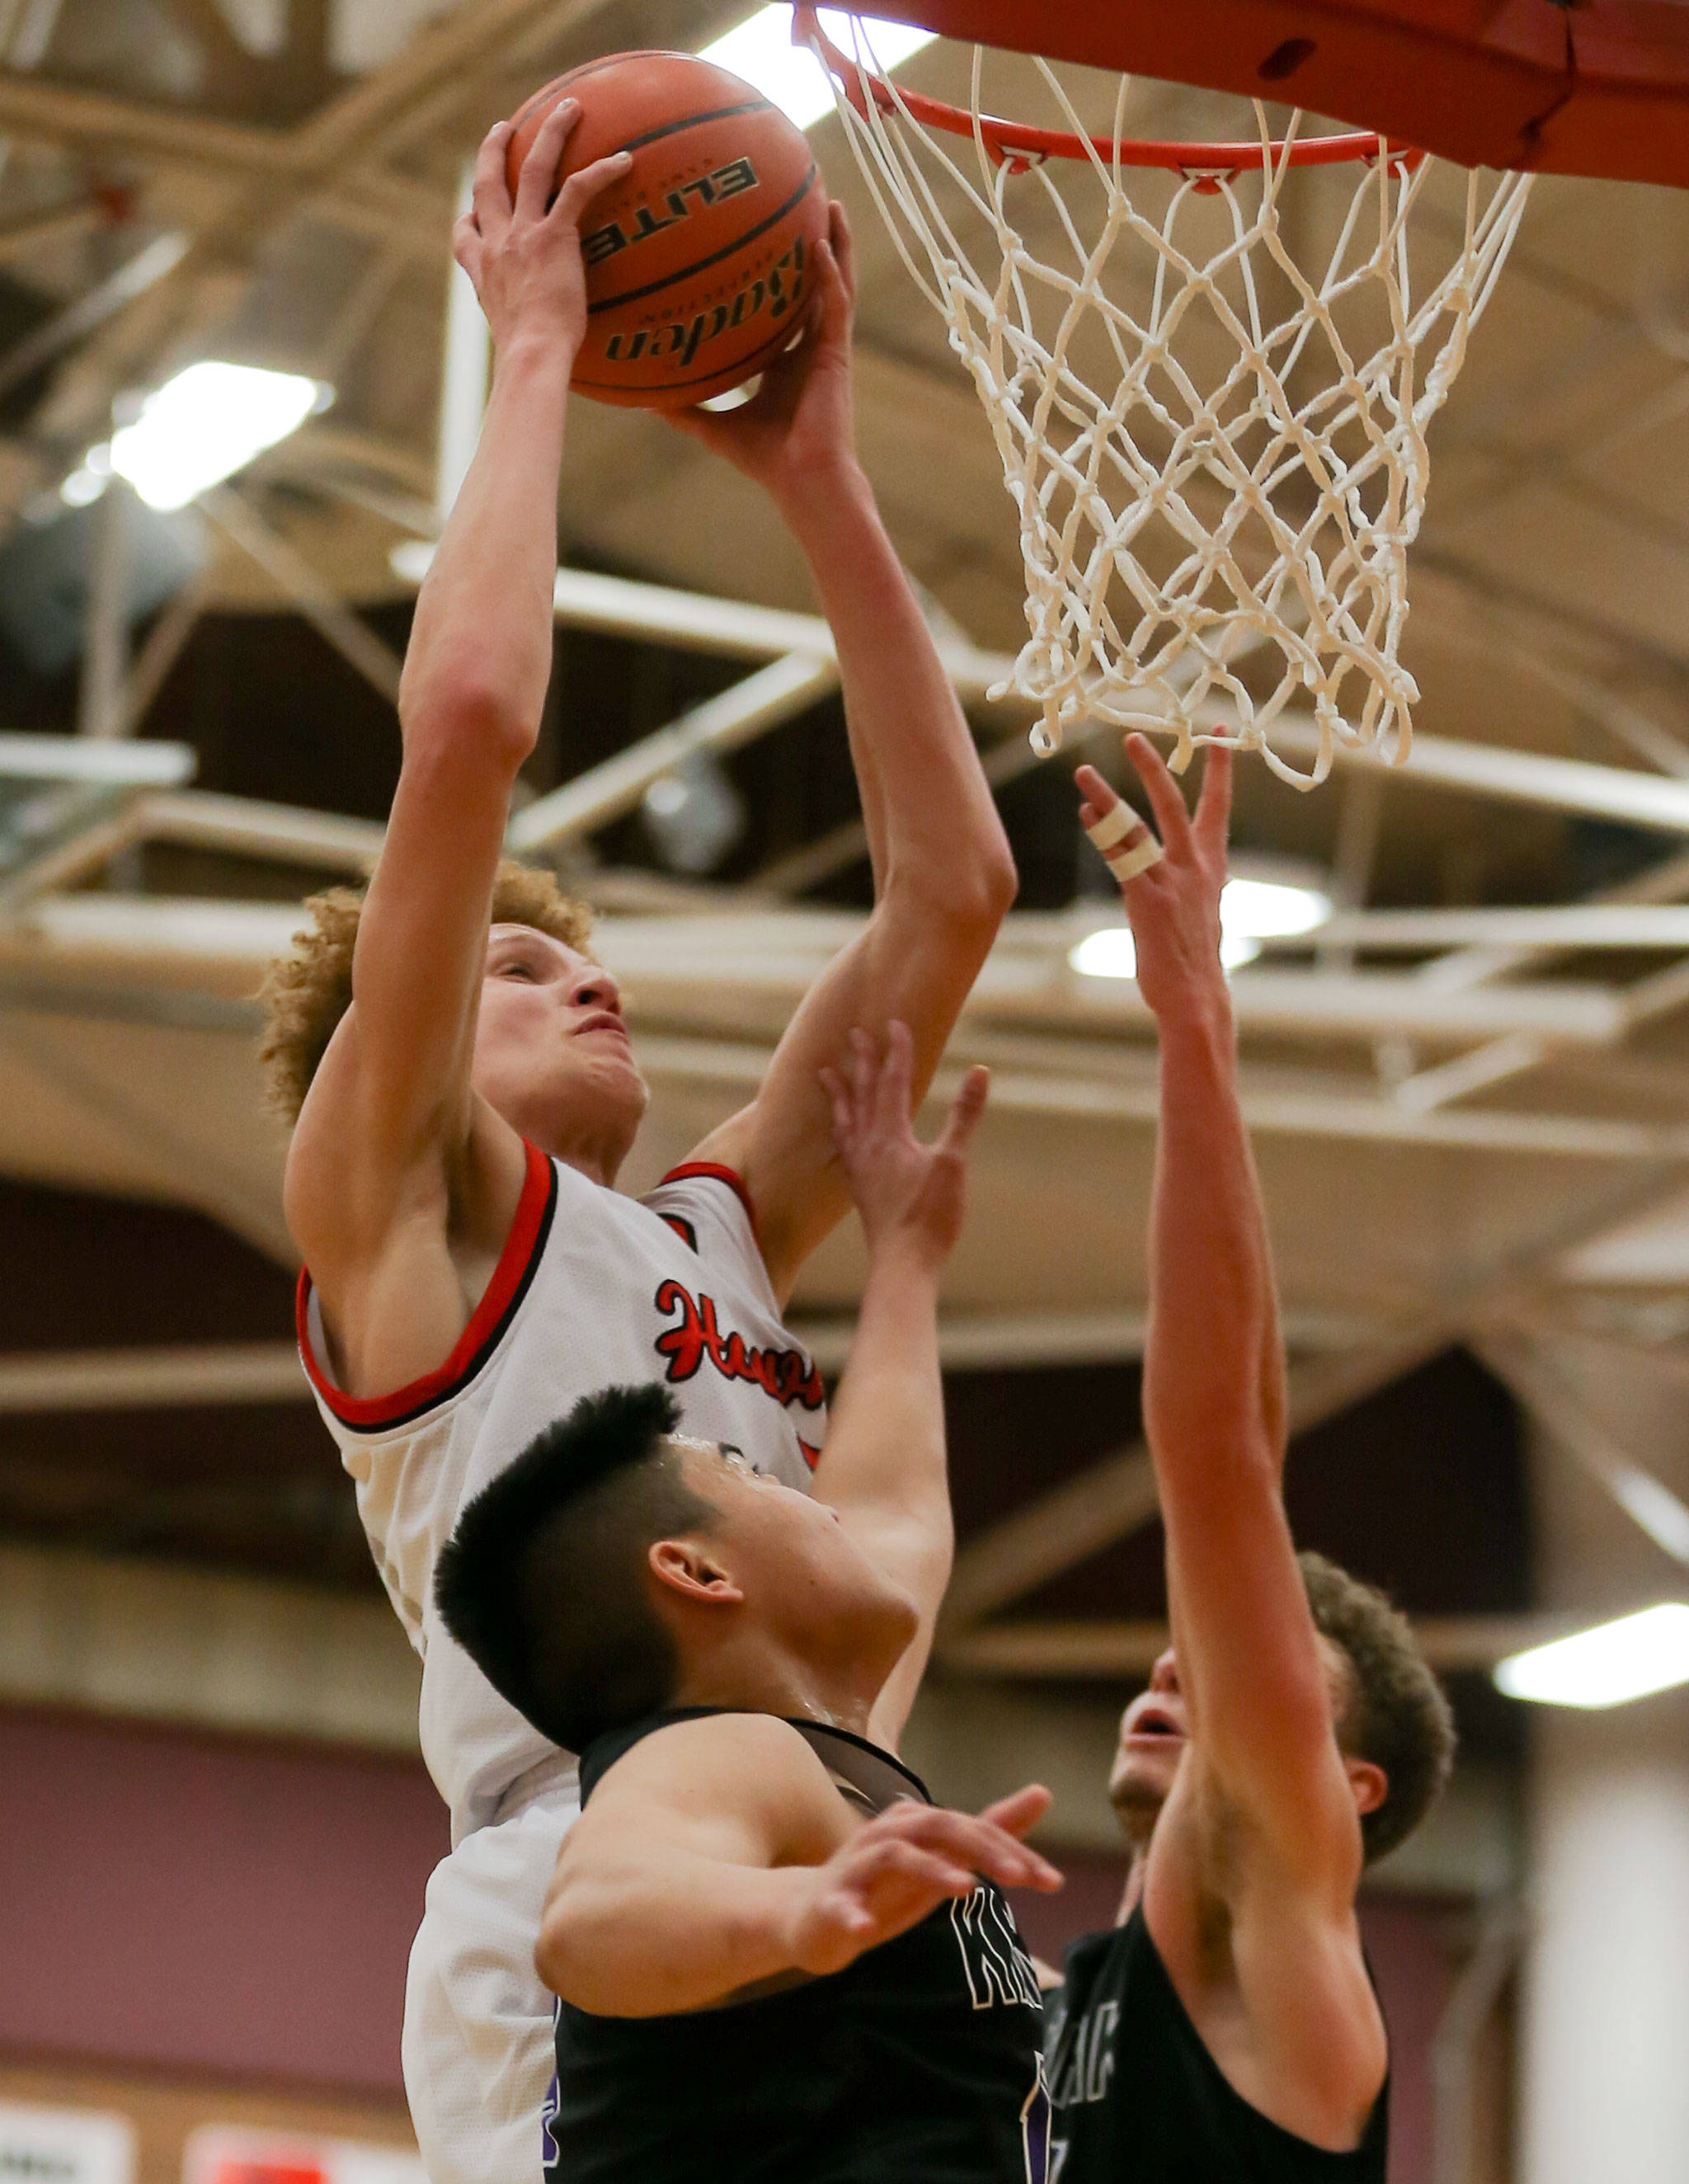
(466, 1092)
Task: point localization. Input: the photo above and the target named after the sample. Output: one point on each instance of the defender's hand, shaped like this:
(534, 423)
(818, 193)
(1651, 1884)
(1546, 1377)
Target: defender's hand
(524, 256)
(902, 1865)
(903, 1188)
(797, 431)
(1174, 907)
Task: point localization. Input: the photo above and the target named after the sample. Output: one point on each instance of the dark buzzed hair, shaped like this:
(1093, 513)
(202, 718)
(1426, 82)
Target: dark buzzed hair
(542, 1581)
(1397, 1715)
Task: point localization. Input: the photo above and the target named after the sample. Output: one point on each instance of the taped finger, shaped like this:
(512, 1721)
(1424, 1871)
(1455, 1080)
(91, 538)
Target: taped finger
(1111, 835)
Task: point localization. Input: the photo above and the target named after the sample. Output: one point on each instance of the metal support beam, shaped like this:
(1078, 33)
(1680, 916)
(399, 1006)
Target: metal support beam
(696, 622)
(1114, 1497)
(315, 598)
(168, 1378)
(101, 711)
(720, 724)
(465, 375)
(1554, 1402)
(1081, 1651)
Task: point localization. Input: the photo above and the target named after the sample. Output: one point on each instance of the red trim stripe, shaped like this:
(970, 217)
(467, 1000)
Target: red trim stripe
(731, 1177)
(509, 1276)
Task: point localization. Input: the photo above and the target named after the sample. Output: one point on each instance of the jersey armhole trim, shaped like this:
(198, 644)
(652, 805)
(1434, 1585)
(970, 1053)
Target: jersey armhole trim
(734, 1181)
(504, 1295)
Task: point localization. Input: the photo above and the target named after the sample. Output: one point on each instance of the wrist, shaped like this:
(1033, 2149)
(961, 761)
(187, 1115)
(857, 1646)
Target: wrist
(534, 354)
(1199, 1021)
(814, 499)
(908, 1256)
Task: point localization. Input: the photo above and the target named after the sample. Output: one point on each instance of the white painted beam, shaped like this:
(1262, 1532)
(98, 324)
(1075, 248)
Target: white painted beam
(1561, 929)
(245, 825)
(169, 1376)
(223, 1652)
(774, 694)
(1113, 1497)
(1516, 776)
(697, 621)
(1129, 1650)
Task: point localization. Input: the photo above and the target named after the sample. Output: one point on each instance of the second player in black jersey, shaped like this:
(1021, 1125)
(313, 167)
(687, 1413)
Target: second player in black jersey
(1137, 2097)
(1226, 2031)
(776, 1960)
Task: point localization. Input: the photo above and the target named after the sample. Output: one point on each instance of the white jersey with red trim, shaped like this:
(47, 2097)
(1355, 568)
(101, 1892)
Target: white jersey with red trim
(592, 1288)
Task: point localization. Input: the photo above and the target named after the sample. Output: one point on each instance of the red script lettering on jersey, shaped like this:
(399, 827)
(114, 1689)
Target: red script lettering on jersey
(786, 1375)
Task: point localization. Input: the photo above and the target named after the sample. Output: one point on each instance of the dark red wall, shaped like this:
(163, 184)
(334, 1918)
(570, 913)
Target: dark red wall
(203, 1904)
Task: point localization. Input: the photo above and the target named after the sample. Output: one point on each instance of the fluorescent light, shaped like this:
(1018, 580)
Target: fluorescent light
(1628, 1659)
(1266, 910)
(1251, 910)
(761, 50)
(206, 424)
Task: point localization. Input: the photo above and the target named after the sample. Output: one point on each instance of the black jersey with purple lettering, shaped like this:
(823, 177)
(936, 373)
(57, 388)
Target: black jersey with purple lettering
(1136, 2097)
(919, 2064)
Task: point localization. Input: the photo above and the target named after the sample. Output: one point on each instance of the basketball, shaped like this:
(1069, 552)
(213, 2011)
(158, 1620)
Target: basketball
(700, 261)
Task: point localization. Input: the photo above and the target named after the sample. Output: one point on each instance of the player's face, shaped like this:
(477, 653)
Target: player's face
(1154, 1731)
(805, 1577)
(552, 1053)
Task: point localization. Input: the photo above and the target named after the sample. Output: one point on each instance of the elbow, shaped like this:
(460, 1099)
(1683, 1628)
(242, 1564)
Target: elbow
(965, 897)
(553, 1952)
(466, 716)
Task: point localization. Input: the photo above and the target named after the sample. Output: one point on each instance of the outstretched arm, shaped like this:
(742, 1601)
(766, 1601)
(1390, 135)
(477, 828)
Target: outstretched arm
(718, 1853)
(393, 1155)
(943, 873)
(1249, 1661)
(1266, 1822)
(884, 1467)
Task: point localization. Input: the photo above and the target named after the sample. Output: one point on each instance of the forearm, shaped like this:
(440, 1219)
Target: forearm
(673, 1932)
(481, 642)
(926, 806)
(1213, 1376)
(885, 1443)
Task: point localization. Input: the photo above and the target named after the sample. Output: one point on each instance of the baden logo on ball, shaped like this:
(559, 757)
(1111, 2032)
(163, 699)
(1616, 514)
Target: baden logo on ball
(700, 265)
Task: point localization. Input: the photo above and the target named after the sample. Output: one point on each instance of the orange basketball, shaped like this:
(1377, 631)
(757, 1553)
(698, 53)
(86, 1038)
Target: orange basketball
(701, 262)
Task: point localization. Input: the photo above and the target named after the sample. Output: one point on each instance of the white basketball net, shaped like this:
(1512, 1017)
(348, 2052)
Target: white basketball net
(1248, 469)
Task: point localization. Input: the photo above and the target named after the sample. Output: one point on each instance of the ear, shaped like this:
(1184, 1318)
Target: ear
(1369, 1782)
(687, 1567)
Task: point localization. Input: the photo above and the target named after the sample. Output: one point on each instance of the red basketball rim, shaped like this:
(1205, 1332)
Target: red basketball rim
(1021, 144)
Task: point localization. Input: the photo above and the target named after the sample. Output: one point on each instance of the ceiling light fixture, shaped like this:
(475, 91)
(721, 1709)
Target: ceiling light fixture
(1251, 910)
(202, 426)
(761, 50)
(1605, 1666)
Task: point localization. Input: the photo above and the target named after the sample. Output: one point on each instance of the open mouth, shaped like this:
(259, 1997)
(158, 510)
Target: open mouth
(1155, 1722)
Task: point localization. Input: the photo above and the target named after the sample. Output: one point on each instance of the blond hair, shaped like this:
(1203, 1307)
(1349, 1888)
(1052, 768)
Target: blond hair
(306, 992)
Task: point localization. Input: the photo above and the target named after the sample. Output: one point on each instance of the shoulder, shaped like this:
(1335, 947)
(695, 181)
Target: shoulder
(753, 1764)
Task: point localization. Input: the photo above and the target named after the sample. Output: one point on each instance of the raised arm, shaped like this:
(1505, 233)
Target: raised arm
(392, 1149)
(884, 1468)
(1262, 1818)
(717, 1853)
(943, 873)
(1250, 1663)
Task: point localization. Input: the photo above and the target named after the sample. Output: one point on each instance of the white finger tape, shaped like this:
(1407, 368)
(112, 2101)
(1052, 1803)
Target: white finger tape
(1127, 864)
(1114, 826)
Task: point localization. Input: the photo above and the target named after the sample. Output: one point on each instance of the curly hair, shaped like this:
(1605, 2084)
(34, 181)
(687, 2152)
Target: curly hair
(1397, 1714)
(306, 992)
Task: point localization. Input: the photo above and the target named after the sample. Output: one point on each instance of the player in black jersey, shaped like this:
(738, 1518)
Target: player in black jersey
(775, 1959)
(1227, 2028)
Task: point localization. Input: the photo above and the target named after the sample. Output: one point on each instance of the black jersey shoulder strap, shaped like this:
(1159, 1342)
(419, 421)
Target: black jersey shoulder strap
(866, 1775)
